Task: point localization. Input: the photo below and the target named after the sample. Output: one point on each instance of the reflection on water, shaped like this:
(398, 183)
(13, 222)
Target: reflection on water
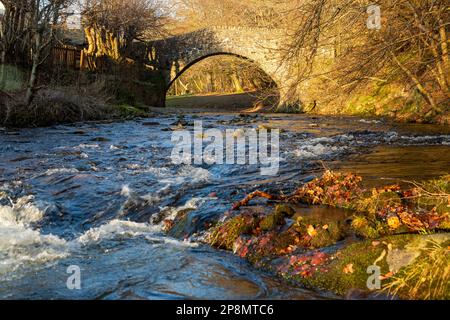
(398, 164)
(94, 195)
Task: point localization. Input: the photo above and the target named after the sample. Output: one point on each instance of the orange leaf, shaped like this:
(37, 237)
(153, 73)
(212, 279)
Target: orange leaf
(311, 231)
(387, 276)
(348, 268)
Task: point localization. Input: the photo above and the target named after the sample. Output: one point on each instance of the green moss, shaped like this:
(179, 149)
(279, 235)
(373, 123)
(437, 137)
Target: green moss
(225, 235)
(435, 195)
(269, 246)
(334, 279)
(445, 225)
(276, 218)
(271, 221)
(364, 228)
(285, 210)
(127, 110)
(327, 232)
(329, 236)
(431, 266)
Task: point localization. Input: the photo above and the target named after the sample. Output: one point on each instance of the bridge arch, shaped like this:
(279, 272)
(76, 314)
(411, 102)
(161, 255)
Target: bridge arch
(175, 55)
(178, 72)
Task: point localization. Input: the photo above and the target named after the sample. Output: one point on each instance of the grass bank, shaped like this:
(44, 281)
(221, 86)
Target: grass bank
(63, 105)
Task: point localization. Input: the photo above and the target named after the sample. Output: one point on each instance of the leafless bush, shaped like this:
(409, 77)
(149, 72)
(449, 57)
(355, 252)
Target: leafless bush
(410, 47)
(56, 105)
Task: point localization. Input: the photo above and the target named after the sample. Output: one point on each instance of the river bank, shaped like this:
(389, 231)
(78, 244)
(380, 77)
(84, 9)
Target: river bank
(52, 107)
(387, 243)
(251, 102)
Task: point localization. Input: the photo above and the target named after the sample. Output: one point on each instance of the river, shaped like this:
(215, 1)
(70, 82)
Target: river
(87, 195)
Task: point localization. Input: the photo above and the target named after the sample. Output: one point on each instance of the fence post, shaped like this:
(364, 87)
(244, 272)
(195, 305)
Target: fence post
(81, 59)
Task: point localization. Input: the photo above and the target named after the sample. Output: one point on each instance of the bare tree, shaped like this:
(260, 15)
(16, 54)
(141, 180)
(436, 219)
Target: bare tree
(46, 19)
(13, 25)
(111, 26)
(28, 29)
(250, 13)
(410, 47)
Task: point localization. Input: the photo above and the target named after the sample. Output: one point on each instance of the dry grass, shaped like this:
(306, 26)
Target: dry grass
(426, 279)
(56, 105)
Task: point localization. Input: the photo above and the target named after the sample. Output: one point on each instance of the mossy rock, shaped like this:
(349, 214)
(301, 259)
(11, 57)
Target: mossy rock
(329, 236)
(277, 244)
(443, 208)
(364, 228)
(224, 235)
(408, 255)
(445, 225)
(127, 110)
(285, 210)
(180, 223)
(271, 221)
(360, 256)
(326, 233)
(276, 218)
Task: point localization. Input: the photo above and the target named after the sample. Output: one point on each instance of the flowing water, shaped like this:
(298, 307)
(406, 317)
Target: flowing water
(92, 195)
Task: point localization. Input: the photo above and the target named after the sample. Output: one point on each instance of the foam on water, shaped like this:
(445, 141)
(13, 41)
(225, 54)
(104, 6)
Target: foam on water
(87, 146)
(151, 198)
(315, 151)
(319, 147)
(194, 203)
(439, 139)
(126, 191)
(117, 229)
(188, 175)
(157, 172)
(369, 121)
(22, 245)
(50, 172)
(171, 241)
(127, 229)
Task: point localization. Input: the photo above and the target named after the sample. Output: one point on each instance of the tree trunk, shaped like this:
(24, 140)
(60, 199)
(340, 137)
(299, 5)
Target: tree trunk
(34, 71)
(237, 83)
(424, 92)
(440, 67)
(90, 39)
(445, 53)
(2, 70)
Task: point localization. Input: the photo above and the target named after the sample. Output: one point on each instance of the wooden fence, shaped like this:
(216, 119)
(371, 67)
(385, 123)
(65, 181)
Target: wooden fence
(66, 57)
(73, 58)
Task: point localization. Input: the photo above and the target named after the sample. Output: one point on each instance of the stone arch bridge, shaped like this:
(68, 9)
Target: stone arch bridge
(174, 55)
